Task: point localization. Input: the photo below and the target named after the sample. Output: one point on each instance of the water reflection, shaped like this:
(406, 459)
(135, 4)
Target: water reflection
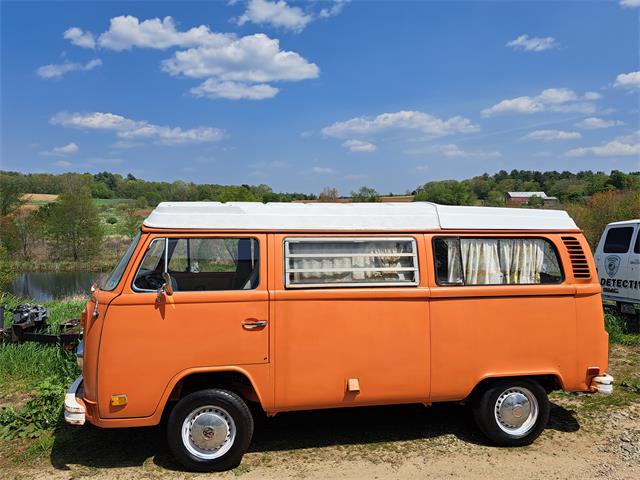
(47, 286)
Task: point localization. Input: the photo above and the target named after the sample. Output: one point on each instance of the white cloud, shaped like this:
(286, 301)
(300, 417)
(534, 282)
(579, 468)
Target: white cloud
(618, 147)
(359, 146)
(630, 138)
(61, 69)
(423, 168)
(211, 88)
(593, 123)
(68, 149)
(277, 14)
(551, 100)
(62, 164)
(128, 129)
(252, 59)
(630, 3)
(592, 96)
(80, 38)
(404, 120)
(533, 44)
(233, 67)
(126, 32)
(629, 80)
(333, 10)
(451, 150)
(317, 169)
(550, 135)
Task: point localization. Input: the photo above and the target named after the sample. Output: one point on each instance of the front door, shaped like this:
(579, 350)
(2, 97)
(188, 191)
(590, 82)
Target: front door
(351, 321)
(217, 316)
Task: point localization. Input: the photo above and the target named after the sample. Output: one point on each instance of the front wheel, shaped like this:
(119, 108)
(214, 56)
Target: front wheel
(210, 430)
(512, 412)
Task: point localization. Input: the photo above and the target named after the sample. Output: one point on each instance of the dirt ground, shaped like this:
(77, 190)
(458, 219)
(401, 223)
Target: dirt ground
(587, 437)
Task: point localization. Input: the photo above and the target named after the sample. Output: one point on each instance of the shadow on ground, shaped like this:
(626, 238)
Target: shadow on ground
(110, 448)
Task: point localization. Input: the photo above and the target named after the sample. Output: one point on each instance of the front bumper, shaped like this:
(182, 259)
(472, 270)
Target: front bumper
(74, 411)
(602, 384)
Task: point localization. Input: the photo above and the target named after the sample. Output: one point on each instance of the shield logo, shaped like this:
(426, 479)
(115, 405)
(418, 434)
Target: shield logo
(612, 263)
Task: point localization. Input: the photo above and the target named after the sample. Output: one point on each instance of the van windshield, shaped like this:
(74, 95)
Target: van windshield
(116, 275)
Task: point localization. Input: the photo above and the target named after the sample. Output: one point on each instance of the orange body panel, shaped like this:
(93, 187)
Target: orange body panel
(423, 343)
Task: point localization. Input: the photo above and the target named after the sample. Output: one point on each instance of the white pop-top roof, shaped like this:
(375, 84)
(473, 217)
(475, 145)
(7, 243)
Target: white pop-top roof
(350, 217)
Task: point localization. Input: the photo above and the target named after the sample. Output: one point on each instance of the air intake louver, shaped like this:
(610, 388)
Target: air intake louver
(579, 263)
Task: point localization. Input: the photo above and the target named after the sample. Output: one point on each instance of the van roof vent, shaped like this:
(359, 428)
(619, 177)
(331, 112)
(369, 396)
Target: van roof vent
(579, 263)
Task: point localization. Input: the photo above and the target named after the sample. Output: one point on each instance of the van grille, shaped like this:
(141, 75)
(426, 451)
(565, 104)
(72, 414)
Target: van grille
(579, 263)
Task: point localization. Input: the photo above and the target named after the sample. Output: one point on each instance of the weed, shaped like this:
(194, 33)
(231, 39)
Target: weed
(39, 415)
(618, 333)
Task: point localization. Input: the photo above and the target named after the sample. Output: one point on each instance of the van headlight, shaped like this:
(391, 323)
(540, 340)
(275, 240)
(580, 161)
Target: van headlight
(80, 354)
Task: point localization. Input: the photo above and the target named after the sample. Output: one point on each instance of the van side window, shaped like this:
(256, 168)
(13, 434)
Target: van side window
(350, 262)
(201, 264)
(495, 261)
(636, 249)
(618, 240)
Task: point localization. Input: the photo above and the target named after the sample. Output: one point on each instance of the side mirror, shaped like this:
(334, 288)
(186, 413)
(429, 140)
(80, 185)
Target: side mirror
(166, 288)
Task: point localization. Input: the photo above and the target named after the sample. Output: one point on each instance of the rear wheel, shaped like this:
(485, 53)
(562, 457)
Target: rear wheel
(210, 430)
(512, 412)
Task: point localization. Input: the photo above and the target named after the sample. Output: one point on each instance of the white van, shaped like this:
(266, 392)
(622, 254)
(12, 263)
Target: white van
(618, 264)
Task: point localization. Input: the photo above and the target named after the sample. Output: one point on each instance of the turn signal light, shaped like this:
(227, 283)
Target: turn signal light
(118, 400)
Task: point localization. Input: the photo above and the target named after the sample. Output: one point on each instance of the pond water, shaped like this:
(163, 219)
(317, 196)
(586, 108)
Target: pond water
(47, 286)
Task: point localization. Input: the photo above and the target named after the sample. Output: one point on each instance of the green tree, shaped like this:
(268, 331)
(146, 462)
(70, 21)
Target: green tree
(132, 220)
(446, 192)
(10, 195)
(73, 225)
(536, 201)
(7, 275)
(495, 199)
(365, 194)
(27, 231)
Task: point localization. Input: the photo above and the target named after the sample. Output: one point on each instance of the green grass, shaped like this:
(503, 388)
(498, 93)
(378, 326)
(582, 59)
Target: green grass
(617, 327)
(111, 201)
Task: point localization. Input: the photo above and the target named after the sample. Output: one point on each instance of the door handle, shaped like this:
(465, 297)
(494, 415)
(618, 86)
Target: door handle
(635, 262)
(254, 324)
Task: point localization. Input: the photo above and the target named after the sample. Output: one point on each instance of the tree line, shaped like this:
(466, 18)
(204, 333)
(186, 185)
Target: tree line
(490, 189)
(112, 185)
(71, 228)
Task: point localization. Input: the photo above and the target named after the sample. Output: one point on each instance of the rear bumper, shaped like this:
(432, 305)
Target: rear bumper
(602, 384)
(74, 411)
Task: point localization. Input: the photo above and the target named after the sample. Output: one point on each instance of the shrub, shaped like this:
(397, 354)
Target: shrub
(112, 220)
(618, 332)
(39, 414)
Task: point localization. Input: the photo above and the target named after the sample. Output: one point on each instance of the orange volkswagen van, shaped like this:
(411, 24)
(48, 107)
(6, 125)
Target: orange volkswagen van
(217, 306)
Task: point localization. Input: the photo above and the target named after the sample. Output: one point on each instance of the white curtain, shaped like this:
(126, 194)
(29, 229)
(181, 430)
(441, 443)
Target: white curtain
(522, 260)
(319, 265)
(454, 265)
(480, 261)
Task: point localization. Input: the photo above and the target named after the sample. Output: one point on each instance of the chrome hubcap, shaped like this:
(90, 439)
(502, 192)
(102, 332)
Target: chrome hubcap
(516, 411)
(208, 432)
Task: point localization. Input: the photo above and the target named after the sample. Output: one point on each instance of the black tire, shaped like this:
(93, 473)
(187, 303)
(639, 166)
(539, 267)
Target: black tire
(220, 401)
(486, 405)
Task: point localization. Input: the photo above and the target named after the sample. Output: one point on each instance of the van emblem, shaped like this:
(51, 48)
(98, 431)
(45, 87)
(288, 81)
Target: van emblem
(612, 263)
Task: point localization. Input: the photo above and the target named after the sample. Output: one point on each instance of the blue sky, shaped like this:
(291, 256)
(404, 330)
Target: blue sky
(303, 95)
